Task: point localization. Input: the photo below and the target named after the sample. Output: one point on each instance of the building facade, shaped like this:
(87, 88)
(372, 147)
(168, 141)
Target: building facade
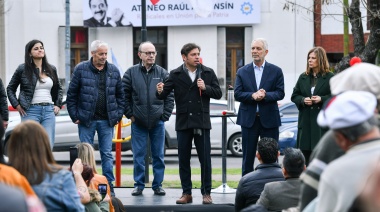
(225, 46)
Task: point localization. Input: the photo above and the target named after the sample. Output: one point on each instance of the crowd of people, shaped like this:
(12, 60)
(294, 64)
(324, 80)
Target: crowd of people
(338, 131)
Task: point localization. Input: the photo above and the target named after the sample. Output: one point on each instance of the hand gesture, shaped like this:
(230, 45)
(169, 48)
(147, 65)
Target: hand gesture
(117, 14)
(160, 87)
(316, 99)
(77, 166)
(259, 95)
(308, 101)
(21, 111)
(201, 84)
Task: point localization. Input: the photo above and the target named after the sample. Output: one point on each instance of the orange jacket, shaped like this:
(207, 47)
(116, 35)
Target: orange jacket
(100, 179)
(10, 176)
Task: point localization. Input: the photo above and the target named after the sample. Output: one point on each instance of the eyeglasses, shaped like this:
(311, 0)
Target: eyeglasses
(150, 53)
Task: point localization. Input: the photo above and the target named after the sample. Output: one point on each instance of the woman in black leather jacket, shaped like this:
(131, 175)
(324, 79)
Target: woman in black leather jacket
(40, 96)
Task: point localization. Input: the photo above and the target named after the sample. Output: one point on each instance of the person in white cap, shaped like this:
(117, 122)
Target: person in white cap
(351, 116)
(360, 77)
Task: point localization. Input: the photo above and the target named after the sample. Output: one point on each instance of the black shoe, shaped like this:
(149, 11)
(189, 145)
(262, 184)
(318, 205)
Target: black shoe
(159, 191)
(137, 191)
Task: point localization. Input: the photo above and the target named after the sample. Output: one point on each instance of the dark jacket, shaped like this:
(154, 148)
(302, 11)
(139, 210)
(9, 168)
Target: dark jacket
(140, 95)
(309, 131)
(27, 88)
(189, 104)
(272, 81)
(83, 93)
(252, 184)
(3, 103)
(278, 196)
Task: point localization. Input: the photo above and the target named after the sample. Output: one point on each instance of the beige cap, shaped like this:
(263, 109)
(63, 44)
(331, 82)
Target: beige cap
(359, 77)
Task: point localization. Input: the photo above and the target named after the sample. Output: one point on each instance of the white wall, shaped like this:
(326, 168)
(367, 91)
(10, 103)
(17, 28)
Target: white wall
(204, 36)
(332, 18)
(121, 44)
(289, 35)
(35, 19)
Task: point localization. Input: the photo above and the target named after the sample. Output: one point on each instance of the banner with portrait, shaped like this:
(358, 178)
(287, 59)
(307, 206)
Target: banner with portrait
(112, 13)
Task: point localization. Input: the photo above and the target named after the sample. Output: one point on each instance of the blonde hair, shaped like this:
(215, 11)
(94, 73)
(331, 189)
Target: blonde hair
(86, 154)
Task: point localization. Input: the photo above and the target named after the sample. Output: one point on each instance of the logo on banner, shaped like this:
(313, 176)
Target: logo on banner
(154, 2)
(246, 8)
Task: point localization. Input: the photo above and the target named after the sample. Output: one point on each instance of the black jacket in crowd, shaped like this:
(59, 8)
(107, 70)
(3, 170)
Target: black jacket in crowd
(27, 88)
(190, 104)
(3, 102)
(140, 95)
(252, 184)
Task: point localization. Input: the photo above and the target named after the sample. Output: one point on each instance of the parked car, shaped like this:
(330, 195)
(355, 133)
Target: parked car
(288, 113)
(233, 142)
(288, 136)
(66, 132)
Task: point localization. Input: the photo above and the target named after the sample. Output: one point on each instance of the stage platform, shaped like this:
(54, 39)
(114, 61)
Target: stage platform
(150, 202)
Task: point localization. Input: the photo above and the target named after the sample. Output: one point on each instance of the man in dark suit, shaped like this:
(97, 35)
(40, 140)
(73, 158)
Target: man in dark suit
(258, 87)
(277, 196)
(194, 84)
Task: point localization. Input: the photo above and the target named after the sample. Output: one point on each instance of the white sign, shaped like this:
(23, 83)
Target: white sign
(170, 12)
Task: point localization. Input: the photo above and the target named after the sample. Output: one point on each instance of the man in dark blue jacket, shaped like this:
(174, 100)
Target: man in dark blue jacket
(95, 101)
(252, 184)
(148, 115)
(258, 87)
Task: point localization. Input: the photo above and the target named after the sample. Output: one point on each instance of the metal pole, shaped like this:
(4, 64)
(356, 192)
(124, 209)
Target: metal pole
(224, 150)
(118, 155)
(67, 47)
(224, 188)
(143, 39)
(143, 21)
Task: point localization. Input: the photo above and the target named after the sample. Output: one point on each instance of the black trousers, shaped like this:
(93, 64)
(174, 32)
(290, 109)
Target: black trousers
(250, 137)
(202, 144)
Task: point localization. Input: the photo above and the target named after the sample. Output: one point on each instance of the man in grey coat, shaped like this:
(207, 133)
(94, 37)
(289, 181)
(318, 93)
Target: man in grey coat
(277, 196)
(148, 115)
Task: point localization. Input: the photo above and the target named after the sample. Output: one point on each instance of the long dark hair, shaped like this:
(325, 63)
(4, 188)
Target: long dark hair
(30, 66)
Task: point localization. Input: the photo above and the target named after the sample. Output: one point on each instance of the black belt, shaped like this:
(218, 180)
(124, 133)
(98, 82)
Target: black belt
(257, 114)
(42, 104)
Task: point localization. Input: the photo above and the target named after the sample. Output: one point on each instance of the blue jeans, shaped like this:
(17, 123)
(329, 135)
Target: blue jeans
(139, 145)
(45, 116)
(105, 135)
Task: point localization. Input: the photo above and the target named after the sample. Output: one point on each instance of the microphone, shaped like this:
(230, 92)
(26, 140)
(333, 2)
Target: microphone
(199, 77)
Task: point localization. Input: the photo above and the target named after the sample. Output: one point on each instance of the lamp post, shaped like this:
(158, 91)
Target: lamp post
(67, 46)
(143, 39)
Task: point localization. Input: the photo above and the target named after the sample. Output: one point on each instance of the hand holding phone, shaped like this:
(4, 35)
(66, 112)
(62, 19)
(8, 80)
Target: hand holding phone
(102, 188)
